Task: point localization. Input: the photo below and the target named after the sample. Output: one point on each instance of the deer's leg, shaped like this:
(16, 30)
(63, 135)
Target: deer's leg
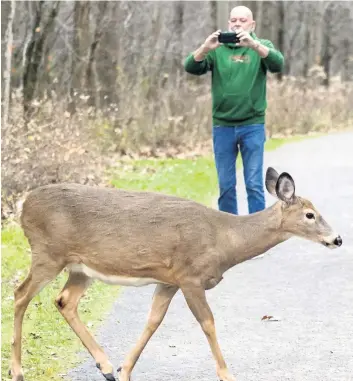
(162, 297)
(196, 300)
(67, 302)
(39, 276)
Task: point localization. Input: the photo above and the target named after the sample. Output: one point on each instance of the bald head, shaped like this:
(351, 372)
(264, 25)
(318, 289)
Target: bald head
(241, 17)
(241, 11)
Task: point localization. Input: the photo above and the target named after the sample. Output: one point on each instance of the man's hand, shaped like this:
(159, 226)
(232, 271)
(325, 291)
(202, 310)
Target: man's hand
(245, 39)
(211, 41)
(248, 41)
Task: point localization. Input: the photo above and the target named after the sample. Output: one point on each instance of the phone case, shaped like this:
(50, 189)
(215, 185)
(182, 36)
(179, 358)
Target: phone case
(227, 37)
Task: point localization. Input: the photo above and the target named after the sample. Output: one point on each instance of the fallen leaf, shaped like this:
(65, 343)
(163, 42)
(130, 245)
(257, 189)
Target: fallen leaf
(270, 318)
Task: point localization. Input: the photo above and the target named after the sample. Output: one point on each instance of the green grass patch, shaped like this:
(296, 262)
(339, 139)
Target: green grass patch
(49, 345)
(194, 179)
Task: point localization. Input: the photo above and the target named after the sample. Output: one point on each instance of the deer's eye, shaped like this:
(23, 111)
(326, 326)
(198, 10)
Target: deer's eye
(310, 216)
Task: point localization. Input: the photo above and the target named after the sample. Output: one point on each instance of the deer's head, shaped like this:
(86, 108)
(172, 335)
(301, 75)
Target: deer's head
(299, 216)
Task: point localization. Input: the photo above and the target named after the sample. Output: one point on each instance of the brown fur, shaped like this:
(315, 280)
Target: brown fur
(180, 243)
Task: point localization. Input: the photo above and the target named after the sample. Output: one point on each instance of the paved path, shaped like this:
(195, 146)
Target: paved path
(307, 286)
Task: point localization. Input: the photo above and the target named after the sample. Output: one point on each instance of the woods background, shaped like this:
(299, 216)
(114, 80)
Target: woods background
(86, 81)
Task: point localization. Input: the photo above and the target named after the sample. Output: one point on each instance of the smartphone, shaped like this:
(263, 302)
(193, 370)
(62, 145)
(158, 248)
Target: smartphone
(226, 37)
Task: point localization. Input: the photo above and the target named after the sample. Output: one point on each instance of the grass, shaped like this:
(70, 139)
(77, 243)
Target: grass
(192, 179)
(49, 345)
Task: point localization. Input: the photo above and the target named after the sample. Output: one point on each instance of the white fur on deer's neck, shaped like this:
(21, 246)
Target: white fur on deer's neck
(111, 279)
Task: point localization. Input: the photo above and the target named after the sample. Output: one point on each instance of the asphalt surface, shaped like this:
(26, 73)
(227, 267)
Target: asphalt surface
(306, 287)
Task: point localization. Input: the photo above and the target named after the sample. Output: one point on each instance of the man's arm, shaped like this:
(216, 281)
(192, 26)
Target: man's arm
(201, 53)
(272, 58)
(201, 60)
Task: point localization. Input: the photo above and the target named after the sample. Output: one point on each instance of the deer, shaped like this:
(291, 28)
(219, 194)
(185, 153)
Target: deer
(138, 238)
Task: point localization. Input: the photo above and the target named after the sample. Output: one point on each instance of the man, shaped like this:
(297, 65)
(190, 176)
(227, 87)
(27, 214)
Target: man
(239, 104)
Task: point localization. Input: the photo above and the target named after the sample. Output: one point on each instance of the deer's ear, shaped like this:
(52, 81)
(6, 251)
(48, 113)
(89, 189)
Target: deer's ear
(285, 188)
(271, 180)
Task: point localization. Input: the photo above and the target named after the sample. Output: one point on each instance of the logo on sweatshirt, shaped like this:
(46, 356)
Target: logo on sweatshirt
(240, 59)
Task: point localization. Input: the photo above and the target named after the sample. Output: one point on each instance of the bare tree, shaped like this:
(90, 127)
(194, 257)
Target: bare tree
(341, 40)
(222, 14)
(294, 34)
(327, 48)
(347, 61)
(133, 45)
(91, 74)
(7, 72)
(268, 12)
(213, 11)
(5, 12)
(307, 56)
(259, 17)
(280, 31)
(80, 44)
(34, 53)
(178, 36)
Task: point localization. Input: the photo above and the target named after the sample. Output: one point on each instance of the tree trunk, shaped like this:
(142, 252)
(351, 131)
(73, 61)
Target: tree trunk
(7, 71)
(34, 55)
(5, 13)
(267, 20)
(80, 49)
(222, 14)
(92, 82)
(259, 17)
(327, 45)
(347, 62)
(178, 36)
(91, 75)
(280, 32)
(213, 8)
(307, 50)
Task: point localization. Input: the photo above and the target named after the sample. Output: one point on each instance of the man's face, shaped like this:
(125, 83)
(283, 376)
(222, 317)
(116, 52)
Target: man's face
(241, 18)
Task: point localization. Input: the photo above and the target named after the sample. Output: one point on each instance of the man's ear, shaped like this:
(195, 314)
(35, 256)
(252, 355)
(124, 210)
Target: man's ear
(253, 26)
(271, 181)
(285, 188)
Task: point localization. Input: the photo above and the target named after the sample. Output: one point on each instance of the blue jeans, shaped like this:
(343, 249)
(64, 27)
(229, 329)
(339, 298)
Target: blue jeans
(250, 140)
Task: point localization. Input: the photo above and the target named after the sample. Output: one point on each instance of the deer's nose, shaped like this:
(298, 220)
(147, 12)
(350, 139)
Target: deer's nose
(338, 241)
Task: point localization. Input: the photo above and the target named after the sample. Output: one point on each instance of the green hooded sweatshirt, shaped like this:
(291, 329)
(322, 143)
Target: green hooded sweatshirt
(238, 81)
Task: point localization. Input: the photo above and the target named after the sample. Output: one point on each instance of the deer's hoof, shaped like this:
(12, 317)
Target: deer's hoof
(119, 370)
(108, 376)
(19, 377)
